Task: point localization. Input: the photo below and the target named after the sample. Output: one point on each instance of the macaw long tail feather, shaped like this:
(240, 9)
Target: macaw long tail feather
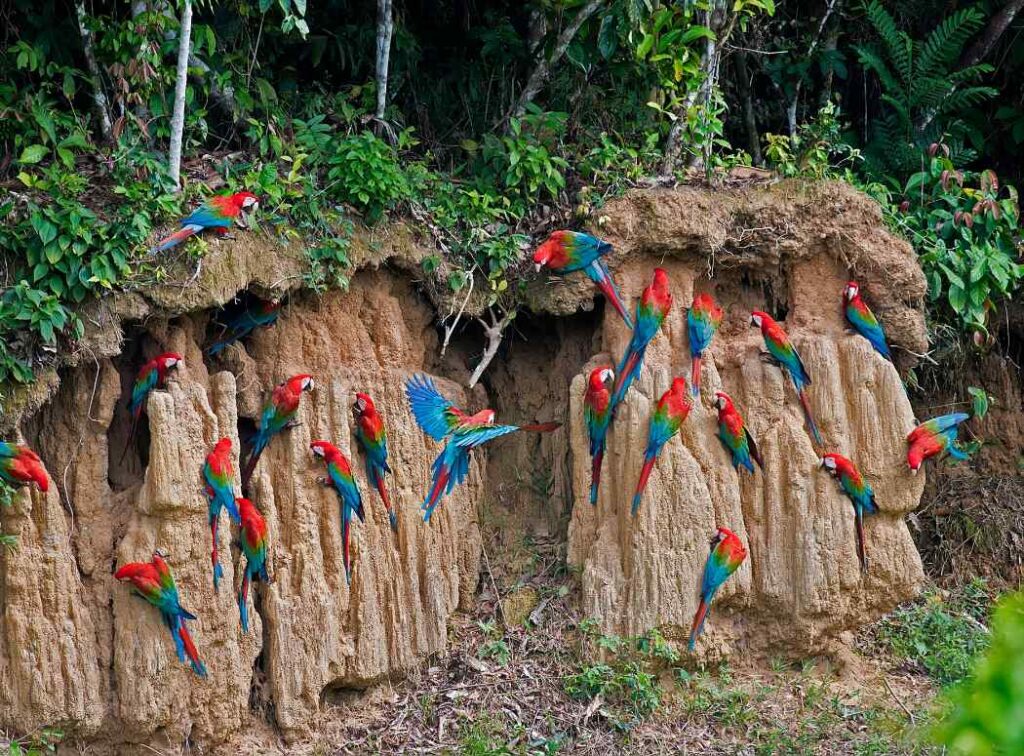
(383, 491)
(598, 272)
(698, 622)
(175, 239)
(645, 473)
(131, 437)
(346, 522)
(243, 601)
(595, 474)
(861, 549)
(805, 402)
(625, 376)
(175, 623)
(436, 492)
(695, 376)
(250, 467)
(541, 427)
(190, 648)
(218, 571)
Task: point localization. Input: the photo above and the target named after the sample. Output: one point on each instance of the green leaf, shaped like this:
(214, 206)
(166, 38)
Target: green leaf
(957, 298)
(33, 154)
(608, 36)
(979, 401)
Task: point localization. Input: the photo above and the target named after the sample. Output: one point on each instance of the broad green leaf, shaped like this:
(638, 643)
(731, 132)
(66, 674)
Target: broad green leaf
(979, 401)
(33, 154)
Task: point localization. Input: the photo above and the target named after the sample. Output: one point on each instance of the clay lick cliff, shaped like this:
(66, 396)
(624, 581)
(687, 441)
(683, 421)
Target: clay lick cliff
(78, 651)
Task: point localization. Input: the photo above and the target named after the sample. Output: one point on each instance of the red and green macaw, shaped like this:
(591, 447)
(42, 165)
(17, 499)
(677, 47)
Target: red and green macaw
(734, 434)
(702, 321)
(20, 466)
(154, 582)
(278, 414)
(339, 476)
(374, 441)
(650, 314)
(218, 477)
(152, 375)
(863, 321)
(668, 417)
(259, 314)
(441, 420)
(217, 214)
(933, 437)
(727, 554)
(254, 542)
(859, 492)
(782, 350)
(597, 414)
(569, 251)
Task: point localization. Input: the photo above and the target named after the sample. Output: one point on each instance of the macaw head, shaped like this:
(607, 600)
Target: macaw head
(722, 401)
(915, 458)
(720, 535)
(552, 251)
(37, 473)
(681, 388)
(320, 448)
(362, 404)
(170, 361)
(488, 416)
(758, 318)
(245, 506)
(302, 382)
(222, 447)
(851, 291)
(247, 201)
(599, 375)
(829, 463)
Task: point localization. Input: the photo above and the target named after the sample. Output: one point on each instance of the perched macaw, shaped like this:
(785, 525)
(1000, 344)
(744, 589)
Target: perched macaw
(568, 251)
(254, 543)
(259, 314)
(734, 434)
(278, 414)
(668, 417)
(218, 477)
(702, 321)
(443, 422)
(859, 492)
(374, 441)
(650, 314)
(782, 350)
(153, 375)
(218, 214)
(934, 437)
(727, 554)
(863, 321)
(339, 475)
(154, 582)
(20, 466)
(597, 413)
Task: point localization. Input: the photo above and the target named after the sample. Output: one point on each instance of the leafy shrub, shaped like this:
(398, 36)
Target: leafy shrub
(526, 160)
(364, 171)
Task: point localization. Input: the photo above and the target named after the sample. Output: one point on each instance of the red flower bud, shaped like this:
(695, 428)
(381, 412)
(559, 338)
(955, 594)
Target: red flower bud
(957, 217)
(932, 149)
(905, 206)
(968, 220)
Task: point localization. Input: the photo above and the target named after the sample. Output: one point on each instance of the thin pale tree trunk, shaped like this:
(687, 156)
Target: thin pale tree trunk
(99, 97)
(385, 28)
(541, 71)
(180, 85)
(747, 101)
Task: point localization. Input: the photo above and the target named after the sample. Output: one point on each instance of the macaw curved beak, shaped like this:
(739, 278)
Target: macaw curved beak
(537, 267)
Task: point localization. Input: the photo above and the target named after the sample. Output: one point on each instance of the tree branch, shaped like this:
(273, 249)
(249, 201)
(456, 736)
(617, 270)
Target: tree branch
(542, 69)
(180, 84)
(385, 28)
(997, 26)
(494, 331)
(99, 97)
(791, 106)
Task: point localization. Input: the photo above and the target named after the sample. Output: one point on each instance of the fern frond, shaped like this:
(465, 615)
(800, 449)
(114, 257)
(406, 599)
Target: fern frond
(898, 43)
(870, 58)
(966, 98)
(902, 112)
(946, 42)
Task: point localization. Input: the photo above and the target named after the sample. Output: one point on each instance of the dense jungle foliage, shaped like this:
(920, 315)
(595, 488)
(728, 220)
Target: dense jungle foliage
(486, 122)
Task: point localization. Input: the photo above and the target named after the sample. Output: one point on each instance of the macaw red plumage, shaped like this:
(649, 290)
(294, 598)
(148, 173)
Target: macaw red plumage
(597, 414)
(218, 478)
(278, 414)
(254, 541)
(20, 466)
(152, 376)
(859, 492)
(439, 418)
(734, 434)
(567, 251)
(726, 556)
(651, 310)
(863, 321)
(339, 476)
(668, 417)
(373, 439)
(933, 437)
(154, 582)
(782, 350)
(217, 214)
(702, 321)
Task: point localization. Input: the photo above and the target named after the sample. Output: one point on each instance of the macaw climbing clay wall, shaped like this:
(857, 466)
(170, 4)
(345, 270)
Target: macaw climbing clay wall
(79, 652)
(801, 586)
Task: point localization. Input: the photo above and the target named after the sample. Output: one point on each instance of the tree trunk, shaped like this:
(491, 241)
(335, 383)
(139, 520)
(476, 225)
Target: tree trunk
(747, 102)
(99, 97)
(791, 106)
(495, 332)
(997, 26)
(385, 28)
(180, 85)
(542, 69)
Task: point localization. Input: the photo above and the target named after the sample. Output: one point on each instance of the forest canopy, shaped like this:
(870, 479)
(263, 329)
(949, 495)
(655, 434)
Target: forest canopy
(486, 123)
